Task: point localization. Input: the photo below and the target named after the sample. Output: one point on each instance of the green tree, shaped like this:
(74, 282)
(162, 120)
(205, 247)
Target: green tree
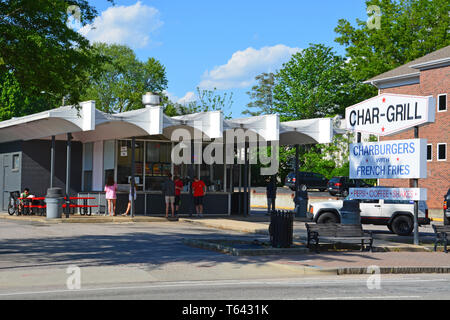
(261, 95)
(207, 100)
(408, 29)
(313, 84)
(123, 79)
(41, 51)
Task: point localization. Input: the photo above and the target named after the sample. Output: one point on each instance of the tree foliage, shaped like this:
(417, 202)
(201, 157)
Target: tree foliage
(122, 79)
(313, 84)
(207, 100)
(261, 95)
(409, 29)
(41, 51)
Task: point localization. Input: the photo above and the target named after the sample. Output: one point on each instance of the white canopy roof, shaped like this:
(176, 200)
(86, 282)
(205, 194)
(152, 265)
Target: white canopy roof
(88, 124)
(306, 131)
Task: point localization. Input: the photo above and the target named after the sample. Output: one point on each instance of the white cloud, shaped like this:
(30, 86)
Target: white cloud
(243, 66)
(127, 25)
(188, 97)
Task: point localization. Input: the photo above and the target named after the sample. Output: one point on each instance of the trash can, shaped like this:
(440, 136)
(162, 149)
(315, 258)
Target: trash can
(350, 212)
(301, 203)
(54, 200)
(281, 228)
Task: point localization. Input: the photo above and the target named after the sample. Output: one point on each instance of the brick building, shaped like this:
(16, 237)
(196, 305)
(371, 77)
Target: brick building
(426, 76)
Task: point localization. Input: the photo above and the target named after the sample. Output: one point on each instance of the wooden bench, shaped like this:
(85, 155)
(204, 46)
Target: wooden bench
(330, 232)
(442, 233)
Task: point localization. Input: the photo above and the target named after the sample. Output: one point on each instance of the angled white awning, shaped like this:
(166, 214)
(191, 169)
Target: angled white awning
(49, 123)
(266, 126)
(87, 124)
(308, 131)
(209, 124)
(141, 122)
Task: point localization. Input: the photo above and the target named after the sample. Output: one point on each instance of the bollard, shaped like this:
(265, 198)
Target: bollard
(350, 212)
(301, 203)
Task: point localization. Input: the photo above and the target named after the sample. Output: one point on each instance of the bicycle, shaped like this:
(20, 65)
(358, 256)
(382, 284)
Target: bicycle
(13, 204)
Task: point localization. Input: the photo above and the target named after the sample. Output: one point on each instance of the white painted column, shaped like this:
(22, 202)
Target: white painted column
(97, 170)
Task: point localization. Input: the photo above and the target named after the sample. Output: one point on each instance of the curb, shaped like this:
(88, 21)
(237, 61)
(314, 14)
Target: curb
(392, 270)
(361, 270)
(222, 227)
(227, 249)
(86, 219)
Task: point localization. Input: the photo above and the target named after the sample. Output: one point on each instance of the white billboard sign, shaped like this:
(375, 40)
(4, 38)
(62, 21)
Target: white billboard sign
(409, 194)
(396, 159)
(388, 113)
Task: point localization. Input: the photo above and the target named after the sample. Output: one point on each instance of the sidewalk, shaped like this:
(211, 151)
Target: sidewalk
(394, 254)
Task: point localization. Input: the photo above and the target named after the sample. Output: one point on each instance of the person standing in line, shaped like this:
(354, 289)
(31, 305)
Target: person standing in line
(271, 193)
(129, 201)
(199, 188)
(178, 188)
(169, 194)
(111, 195)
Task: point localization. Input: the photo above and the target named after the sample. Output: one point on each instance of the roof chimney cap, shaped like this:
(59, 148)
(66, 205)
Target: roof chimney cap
(150, 99)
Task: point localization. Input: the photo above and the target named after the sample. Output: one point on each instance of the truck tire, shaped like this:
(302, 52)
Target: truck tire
(402, 225)
(328, 217)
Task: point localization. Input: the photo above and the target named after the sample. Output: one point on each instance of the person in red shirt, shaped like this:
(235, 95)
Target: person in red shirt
(199, 188)
(178, 188)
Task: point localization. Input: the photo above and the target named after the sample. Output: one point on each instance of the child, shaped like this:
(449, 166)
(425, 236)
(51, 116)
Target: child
(129, 201)
(111, 195)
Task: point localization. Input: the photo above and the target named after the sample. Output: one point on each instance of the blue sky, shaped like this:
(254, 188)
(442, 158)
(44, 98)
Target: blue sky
(222, 44)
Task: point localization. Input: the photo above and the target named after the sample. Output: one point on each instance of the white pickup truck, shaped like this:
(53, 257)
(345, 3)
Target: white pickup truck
(398, 216)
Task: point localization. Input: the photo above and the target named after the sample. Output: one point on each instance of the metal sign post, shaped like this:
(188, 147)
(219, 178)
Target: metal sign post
(416, 203)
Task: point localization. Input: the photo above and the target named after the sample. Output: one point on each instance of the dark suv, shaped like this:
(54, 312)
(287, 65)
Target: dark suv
(341, 185)
(307, 180)
(447, 208)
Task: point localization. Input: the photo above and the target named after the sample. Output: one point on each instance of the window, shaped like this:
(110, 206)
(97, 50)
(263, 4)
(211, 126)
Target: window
(15, 162)
(124, 161)
(442, 151)
(429, 152)
(442, 102)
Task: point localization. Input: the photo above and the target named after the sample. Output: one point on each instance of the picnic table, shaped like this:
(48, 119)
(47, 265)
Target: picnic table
(30, 203)
(85, 208)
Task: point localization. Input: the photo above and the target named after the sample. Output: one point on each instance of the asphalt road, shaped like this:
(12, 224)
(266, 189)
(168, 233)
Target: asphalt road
(389, 287)
(150, 261)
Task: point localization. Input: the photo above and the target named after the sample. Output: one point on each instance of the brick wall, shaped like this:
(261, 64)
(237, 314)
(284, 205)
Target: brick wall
(432, 82)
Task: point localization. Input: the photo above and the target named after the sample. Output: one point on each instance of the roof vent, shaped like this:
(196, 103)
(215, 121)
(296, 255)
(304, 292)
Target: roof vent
(150, 99)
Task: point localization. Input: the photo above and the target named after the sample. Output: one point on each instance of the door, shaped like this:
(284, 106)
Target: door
(5, 178)
(10, 176)
(370, 211)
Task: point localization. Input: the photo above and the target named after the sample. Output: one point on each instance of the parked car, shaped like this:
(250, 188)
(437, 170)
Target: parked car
(307, 180)
(447, 208)
(341, 185)
(397, 215)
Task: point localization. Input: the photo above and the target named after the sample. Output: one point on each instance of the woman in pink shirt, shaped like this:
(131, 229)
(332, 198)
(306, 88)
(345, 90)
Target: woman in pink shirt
(110, 190)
